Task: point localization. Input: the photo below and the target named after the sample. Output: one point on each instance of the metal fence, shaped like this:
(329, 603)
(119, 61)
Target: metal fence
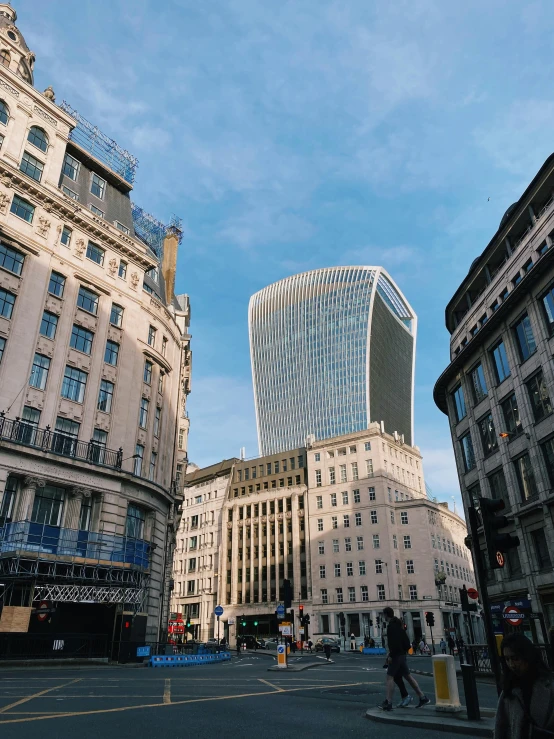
(127, 651)
(58, 646)
(478, 656)
(27, 536)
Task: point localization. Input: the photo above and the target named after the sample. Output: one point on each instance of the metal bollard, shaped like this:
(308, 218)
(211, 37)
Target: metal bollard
(446, 683)
(470, 690)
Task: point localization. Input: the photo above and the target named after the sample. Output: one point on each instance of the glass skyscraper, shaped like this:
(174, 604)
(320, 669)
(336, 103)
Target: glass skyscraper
(331, 350)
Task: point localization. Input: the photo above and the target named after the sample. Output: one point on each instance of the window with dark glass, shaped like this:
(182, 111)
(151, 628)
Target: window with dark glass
(39, 371)
(66, 436)
(459, 403)
(48, 324)
(514, 562)
(81, 339)
(2, 347)
(57, 284)
(497, 484)
(7, 302)
(97, 186)
(116, 315)
(539, 396)
(87, 300)
(74, 384)
(134, 525)
(4, 113)
(98, 446)
(122, 271)
(524, 338)
(540, 546)
(38, 138)
(31, 166)
(97, 211)
(11, 259)
(488, 436)
(510, 411)
(70, 167)
(157, 419)
(516, 279)
(143, 416)
(547, 302)
(48, 505)
(478, 384)
(504, 294)
(151, 336)
(548, 454)
(95, 253)
(22, 208)
(139, 456)
(8, 500)
(500, 362)
(105, 396)
(147, 375)
(468, 455)
(66, 236)
(111, 354)
(525, 477)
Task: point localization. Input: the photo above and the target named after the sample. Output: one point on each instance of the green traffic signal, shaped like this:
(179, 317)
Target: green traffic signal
(255, 623)
(244, 623)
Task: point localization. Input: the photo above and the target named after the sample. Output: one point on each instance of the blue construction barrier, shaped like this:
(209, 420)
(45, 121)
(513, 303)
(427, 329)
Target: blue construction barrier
(374, 650)
(182, 660)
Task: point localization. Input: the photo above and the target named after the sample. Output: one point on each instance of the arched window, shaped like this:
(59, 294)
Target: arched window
(4, 113)
(38, 138)
(23, 72)
(5, 57)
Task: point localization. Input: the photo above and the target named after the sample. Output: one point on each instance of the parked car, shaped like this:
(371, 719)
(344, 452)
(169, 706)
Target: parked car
(272, 643)
(321, 642)
(252, 642)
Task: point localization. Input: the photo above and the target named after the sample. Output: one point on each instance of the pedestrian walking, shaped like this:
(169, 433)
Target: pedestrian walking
(310, 645)
(399, 644)
(239, 644)
(422, 646)
(526, 704)
(442, 645)
(327, 650)
(352, 643)
(451, 645)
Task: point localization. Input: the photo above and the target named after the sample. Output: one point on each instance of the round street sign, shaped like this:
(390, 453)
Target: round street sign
(218, 611)
(472, 593)
(45, 606)
(500, 559)
(513, 616)
(280, 610)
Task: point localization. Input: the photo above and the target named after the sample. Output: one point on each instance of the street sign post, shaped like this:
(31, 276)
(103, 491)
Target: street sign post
(280, 610)
(281, 655)
(218, 610)
(513, 615)
(286, 630)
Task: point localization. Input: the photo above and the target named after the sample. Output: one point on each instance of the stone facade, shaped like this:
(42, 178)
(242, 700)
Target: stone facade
(94, 366)
(501, 381)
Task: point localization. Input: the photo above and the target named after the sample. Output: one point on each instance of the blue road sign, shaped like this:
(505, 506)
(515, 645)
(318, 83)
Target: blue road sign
(143, 651)
(280, 649)
(218, 611)
(280, 610)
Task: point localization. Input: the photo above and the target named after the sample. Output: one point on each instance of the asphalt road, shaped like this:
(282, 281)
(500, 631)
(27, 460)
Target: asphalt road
(236, 699)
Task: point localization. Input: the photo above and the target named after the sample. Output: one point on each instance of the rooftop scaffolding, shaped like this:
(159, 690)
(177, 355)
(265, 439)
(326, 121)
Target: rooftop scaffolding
(152, 231)
(106, 150)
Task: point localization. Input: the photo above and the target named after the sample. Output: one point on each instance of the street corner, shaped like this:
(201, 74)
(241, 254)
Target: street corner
(428, 718)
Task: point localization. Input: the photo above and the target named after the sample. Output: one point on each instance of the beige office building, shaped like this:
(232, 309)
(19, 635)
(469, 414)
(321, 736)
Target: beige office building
(376, 539)
(94, 370)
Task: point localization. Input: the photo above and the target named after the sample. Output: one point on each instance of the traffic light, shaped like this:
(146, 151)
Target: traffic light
(188, 622)
(306, 619)
(287, 593)
(429, 618)
(301, 614)
(255, 623)
(243, 621)
(497, 544)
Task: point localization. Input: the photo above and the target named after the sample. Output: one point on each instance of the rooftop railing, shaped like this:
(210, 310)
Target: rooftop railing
(40, 538)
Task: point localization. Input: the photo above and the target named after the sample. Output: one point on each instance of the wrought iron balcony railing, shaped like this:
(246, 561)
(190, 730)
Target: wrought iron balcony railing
(19, 537)
(19, 431)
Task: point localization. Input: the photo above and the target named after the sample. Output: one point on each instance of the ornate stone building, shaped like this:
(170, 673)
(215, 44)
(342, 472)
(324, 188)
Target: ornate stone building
(94, 371)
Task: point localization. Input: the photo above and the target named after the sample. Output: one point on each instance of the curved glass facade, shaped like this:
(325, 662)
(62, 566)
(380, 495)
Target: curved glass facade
(309, 345)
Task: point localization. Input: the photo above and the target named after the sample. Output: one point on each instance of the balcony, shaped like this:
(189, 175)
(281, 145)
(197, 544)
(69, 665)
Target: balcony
(46, 440)
(88, 547)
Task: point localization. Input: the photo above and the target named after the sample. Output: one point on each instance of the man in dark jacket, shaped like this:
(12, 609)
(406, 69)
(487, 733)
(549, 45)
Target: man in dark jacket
(399, 645)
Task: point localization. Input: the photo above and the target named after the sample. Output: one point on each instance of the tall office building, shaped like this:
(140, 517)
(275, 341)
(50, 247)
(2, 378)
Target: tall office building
(331, 350)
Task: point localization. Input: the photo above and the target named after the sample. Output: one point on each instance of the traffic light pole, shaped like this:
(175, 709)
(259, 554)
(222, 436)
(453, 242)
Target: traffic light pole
(480, 571)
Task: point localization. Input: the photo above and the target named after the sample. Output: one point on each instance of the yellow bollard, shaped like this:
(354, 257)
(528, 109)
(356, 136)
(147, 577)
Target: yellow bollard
(446, 684)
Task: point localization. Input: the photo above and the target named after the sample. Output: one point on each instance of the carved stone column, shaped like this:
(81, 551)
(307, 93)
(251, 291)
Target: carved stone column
(27, 497)
(73, 509)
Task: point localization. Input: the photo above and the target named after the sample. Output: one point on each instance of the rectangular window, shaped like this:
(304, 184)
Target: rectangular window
(334, 522)
(95, 253)
(11, 259)
(2, 347)
(121, 227)
(548, 454)
(487, 432)
(139, 456)
(378, 566)
(404, 517)
(164, 352)
(369, 467)
(510, 411)
(321, 547)
(347, 544)
(151, 336)
(468, 456)
(317, 457)
(338, 592)
(48, 505)
(349, 569)
(373, 515)
(335, 546)
(39, 372)
(22, 208)
(134, 523)
(65, 438)
(497, 484)
(147, 373)
(407, 542)
(49, 324)
(392, 517)
(345, 498)
(351, 595)
(122, 270)
(541, 549)
(361, 568)
(342, 469)
(105, 396)
(74, 384)
(152, 470)
(337, 570)
(376, 542)
(98, 186)
(70, 193)
(358, 519)
(478, 384)
(57, 284)
(354, 468)
(318, 478)
(548, 309)
(410, 566)
(116, 315)
(367, 446)
(81, 339)
(381, 592)
(524, 338)
(346, 521)
(525, 477)
(331, 476)
(66, 236)
(31, 166)
(356, 494)
(143, 416)
(500, 362)
(87, 300)
(459, 403)
(360, 543)
(539, 397)
(98, 446)
(365, 594)
(70, 167)
(333, 500)
(372, 493)
(413, 592)
(324, 597)
(157, 421)
(96, 210)
(111, 353)
(320, 524)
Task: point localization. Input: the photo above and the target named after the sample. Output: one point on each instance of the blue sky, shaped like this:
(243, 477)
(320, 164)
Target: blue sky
(294, 135)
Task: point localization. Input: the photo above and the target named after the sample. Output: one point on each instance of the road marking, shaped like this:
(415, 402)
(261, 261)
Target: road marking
(161, 705)
(167, 690)
(271, 685)
(37, 695)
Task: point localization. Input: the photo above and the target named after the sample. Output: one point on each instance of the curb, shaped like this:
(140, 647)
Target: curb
(296, 668)
(437, 722)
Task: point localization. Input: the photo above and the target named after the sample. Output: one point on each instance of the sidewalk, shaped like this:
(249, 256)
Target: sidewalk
(428, 718)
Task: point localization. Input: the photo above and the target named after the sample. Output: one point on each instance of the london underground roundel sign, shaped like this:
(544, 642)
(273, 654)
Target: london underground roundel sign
(500, 559)
(472, 593)
(513, 615)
